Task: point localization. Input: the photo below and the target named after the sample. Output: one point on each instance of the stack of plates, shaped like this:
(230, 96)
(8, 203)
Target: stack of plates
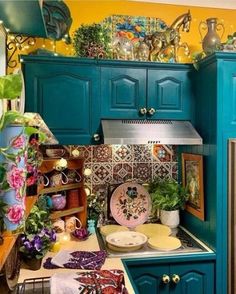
(152, 230)
(109, 229)
(164, 243)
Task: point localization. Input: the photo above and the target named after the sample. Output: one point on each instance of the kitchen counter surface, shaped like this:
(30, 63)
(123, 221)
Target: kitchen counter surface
(90, 244)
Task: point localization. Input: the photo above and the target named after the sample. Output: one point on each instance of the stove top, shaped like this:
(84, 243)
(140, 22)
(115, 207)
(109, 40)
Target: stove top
(189, 245)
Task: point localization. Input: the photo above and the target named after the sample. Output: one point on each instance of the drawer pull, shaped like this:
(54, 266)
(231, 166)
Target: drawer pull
(151, 111)
(165, 279)
(175, 279)
(143, 110)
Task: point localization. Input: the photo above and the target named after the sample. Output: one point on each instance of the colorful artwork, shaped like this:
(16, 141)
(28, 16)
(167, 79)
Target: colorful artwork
(192, 169)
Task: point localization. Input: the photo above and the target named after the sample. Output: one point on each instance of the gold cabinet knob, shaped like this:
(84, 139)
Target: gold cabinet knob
(151, 111)
(175, 278)
(96, 137)
(165, 279)
(143, 110)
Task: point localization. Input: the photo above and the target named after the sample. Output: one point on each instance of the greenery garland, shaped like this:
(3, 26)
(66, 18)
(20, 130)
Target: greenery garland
(92, 41)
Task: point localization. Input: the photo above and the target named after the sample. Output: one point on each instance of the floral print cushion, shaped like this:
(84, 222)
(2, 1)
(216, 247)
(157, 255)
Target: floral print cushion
(93, 282)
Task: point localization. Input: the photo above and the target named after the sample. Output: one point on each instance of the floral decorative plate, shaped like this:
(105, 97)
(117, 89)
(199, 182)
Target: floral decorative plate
(130, 204)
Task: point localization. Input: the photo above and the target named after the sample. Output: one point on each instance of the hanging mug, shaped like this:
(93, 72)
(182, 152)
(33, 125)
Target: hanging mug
(72, 224)
(58, 179)
(44, 180)
(73, 176)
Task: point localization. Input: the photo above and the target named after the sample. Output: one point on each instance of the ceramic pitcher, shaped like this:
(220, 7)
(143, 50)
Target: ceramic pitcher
(211, 41)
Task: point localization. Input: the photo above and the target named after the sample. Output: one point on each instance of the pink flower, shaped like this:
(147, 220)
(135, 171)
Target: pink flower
(30, 181)
(16, 177)
(30, 168)
(15, 213)
(18, 142)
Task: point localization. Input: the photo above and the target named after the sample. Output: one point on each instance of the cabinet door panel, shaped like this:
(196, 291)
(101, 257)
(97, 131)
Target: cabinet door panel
(67, 98)
(123, 92)
(148, 279)
(169, 94)
(196, 278)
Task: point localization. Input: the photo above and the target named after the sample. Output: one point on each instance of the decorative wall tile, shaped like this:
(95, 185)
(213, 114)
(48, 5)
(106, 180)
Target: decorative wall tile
(88, 179)
(122, 172)
(102, 153)
(142, 171)
(162, 153)
(122, 153)
(102, 173)
(162, 170)
(142, 153)
(85, 152)
(174, 170)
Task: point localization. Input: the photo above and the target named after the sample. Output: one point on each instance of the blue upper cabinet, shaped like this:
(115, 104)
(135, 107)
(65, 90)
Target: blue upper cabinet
(131, 90)
(66, 94)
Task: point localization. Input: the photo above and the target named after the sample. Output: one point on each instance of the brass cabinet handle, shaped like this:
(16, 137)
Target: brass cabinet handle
(143, 110)
(175, 278)
(96, 137)
(165, 279)
(151, 111)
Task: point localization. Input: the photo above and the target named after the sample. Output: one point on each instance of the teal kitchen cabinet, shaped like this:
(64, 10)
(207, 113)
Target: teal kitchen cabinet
(155, 277)
(65, 92)
(135, 90)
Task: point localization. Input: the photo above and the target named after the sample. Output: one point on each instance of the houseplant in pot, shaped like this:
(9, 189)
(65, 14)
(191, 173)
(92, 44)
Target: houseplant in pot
(38, 237)
(169, 197)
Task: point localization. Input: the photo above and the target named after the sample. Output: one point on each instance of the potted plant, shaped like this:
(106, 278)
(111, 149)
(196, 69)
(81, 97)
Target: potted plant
(169, 197)
(38, 237)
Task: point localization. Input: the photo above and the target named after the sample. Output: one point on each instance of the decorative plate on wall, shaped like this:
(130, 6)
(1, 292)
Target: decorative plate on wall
(130, 204)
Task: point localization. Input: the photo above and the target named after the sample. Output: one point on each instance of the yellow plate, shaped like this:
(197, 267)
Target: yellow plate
(109, 229)
(165, 243)
(123, 249)
(152, 230)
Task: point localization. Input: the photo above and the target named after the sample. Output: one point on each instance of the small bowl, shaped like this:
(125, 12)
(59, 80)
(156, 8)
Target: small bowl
(58, 201)
(55, 153)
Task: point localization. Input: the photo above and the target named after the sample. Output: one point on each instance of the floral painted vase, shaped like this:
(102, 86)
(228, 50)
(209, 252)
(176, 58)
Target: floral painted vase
(13, 157)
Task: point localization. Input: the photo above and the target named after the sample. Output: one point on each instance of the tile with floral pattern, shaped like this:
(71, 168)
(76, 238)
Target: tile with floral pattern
(84, 151)
(102, 173)
(142, 153)
(122, 172)
(162, 170)
(121, 153)
(162, 153)
(142, 171)
(102, 153)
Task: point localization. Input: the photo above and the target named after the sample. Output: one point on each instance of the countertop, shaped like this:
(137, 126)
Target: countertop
(90, 244)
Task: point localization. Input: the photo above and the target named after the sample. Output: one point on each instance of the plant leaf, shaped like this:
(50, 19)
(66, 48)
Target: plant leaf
(10, 117)
(10, 86)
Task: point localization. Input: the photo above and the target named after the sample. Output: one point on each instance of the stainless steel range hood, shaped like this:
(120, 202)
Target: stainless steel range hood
(150, 132)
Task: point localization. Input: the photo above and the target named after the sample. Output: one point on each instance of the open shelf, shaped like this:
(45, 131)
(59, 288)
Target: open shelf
(60, 188)
(61, 213)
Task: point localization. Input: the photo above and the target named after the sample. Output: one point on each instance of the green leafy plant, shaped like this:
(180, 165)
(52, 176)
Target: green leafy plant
(92, 41)
(167, 194)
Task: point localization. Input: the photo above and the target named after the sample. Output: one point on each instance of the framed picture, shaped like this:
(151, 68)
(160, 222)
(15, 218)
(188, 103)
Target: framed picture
(192, 176)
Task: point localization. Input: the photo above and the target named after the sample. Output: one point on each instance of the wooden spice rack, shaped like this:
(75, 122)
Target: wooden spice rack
(48, 167)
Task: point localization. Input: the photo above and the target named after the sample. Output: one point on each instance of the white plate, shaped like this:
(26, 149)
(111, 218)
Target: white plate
(127, 239)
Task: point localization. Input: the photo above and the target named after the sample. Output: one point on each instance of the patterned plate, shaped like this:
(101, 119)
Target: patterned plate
(130, 204)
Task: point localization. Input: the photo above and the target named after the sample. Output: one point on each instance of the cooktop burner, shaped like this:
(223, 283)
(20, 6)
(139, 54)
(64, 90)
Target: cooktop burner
(189, 245)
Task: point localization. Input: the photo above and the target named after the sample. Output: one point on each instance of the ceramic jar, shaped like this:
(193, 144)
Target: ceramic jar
(170, 218)
(58, 201)
(212, 41)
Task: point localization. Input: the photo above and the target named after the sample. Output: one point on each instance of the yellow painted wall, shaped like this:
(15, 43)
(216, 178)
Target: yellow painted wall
(95, 11)
(91, 11)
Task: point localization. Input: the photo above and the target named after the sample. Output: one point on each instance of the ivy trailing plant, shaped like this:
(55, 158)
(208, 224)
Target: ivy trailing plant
(92, 41)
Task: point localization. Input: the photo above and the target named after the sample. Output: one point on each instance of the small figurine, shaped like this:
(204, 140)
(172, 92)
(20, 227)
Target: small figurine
(91, 226)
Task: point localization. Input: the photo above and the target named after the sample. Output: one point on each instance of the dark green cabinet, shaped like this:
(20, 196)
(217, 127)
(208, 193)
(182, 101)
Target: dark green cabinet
(138, 91)
(66, 94)
(174, 278)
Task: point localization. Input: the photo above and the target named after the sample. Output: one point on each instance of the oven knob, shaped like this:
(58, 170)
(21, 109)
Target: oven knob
(175, 278)
(165, 279)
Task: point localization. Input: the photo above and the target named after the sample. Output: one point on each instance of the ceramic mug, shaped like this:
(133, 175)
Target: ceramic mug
(58, 179)
(59, 225)
(58, 201)
(73, 176)
(73, 223)
(44, 180)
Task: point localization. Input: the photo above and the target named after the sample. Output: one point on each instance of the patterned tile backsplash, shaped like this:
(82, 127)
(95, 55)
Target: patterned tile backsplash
(114, 164)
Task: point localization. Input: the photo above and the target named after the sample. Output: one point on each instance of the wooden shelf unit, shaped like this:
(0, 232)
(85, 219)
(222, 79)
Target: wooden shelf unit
(48, 167)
